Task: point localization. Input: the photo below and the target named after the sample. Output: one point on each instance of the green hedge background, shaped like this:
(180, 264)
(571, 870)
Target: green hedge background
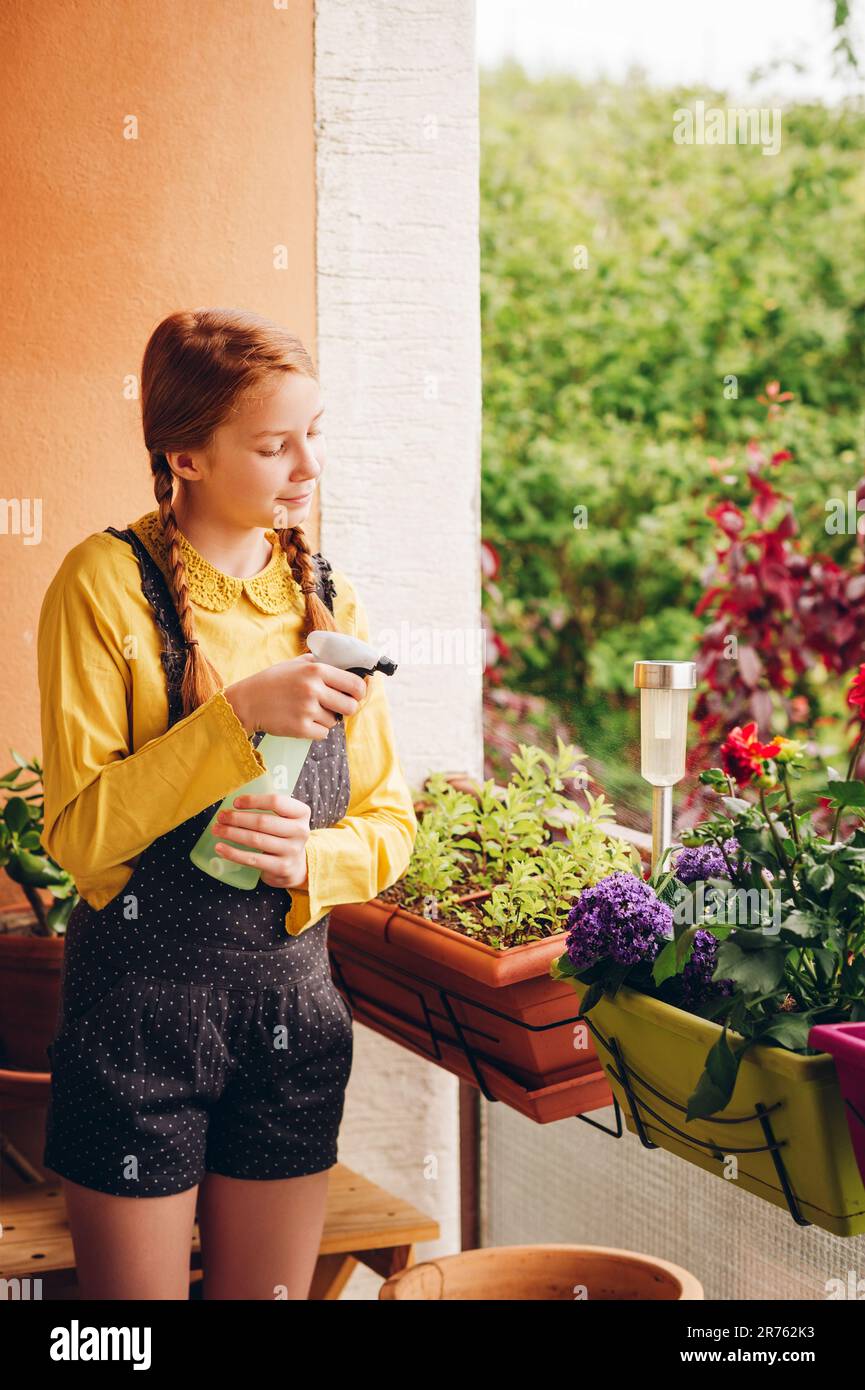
(604, 386)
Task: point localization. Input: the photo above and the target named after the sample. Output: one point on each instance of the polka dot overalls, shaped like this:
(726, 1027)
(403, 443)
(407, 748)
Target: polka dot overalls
(194, 1034)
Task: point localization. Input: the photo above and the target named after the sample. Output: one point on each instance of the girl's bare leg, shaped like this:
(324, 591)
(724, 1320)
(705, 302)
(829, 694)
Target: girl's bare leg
(260, 1240)
(131, 1247)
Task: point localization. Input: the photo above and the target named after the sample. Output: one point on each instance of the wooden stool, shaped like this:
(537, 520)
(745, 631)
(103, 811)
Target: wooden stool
(364, 1224)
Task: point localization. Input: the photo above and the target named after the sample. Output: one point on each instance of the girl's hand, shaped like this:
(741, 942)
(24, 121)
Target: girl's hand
(296, 699)
(276, 828)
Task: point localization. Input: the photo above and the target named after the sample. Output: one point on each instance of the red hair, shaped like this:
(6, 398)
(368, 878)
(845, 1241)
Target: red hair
(198, 365)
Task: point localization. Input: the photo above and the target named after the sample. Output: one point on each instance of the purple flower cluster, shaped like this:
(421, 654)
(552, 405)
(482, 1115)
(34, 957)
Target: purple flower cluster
(697, 982)
(705, 861)
(620, 918)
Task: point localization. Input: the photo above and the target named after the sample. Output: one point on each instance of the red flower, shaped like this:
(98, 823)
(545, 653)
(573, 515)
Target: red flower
(856, 693)
(753, 450)
(773, 398)
(765, 497)
(774, 393)
(490, 562)
(743, 755)
(728, 517)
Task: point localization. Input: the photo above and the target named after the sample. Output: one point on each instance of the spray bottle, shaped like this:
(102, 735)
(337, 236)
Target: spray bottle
(284, 757)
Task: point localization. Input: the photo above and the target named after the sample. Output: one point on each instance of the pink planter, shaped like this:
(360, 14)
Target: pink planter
(846, 1044)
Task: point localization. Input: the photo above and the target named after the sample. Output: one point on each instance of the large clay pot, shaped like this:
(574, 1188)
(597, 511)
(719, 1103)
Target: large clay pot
(525, 1273)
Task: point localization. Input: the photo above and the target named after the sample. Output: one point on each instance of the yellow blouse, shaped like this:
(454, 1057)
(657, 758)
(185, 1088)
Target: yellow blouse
(116, 777)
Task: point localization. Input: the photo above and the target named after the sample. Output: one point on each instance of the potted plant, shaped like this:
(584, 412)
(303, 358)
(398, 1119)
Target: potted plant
(31, 940)
(453, 960)
(703, 984)
(846, 1044)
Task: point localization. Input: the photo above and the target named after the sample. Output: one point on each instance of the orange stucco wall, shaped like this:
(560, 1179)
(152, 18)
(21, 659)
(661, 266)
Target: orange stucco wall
(104, 235)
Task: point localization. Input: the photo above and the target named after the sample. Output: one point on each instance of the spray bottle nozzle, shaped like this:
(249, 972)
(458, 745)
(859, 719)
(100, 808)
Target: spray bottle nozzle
(384, 664)
(349, 653)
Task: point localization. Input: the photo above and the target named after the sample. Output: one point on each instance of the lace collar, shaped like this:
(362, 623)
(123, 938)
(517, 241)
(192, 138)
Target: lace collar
(273, 590)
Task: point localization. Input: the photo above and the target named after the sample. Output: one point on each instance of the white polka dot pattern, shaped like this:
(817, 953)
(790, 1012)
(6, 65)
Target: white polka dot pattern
(194, 1034)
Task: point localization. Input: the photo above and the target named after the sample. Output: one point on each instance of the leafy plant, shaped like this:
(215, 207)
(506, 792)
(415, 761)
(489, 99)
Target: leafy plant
(21, 852)
(613, 383)
(780, 610)
(513, 846)
(793, 952)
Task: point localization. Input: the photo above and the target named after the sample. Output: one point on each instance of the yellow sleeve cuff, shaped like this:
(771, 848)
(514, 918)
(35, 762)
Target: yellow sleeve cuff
(248, 757)
(305, 909)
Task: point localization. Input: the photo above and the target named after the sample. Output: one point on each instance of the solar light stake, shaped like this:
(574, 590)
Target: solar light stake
(663, 687)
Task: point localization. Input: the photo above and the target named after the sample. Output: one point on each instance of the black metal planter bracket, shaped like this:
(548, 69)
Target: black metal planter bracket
(623, 1075)
(467, 1047)
(626, 1077)
(605, 1129)
(475, 1059)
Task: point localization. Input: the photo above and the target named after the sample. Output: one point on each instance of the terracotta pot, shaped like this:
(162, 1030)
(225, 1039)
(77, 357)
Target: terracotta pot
(565, 1273)
(29, 991)
(493, 1017)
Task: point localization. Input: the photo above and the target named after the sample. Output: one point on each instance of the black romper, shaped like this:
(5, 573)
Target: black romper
(194, 1034)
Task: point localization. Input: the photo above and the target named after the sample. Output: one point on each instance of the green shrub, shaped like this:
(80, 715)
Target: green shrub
(604, 387)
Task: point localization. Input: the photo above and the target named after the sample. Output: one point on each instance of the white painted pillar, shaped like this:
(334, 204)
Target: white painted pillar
(398, 291)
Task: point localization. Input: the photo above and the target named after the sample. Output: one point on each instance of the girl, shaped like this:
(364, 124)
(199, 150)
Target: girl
(201, 1042)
